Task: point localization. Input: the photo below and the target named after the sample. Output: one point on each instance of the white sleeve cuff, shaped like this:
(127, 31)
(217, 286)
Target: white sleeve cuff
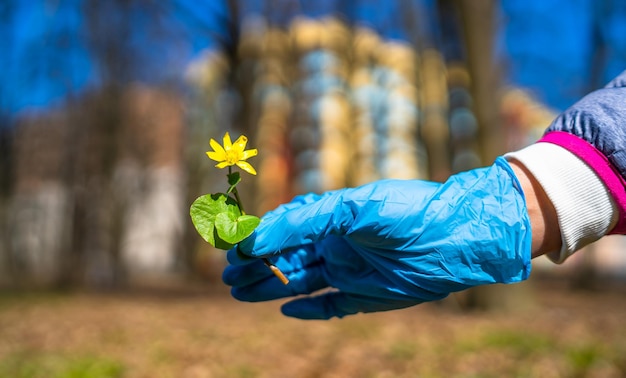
(585, 209)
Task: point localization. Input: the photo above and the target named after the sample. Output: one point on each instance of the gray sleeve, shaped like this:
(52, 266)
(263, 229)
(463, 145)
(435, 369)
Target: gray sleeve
(600, 119)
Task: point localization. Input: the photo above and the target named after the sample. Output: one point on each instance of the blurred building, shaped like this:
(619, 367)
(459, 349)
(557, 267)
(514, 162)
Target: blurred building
(93, 124)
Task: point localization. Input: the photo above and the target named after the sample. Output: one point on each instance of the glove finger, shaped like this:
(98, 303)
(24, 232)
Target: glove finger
(236, 257)
(248, 274)
(303, 281)
(340, 304)
(298, 225)
(243, 275)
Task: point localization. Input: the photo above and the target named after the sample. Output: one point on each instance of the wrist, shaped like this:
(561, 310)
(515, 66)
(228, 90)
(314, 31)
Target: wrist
(546, 236)
(583, 207)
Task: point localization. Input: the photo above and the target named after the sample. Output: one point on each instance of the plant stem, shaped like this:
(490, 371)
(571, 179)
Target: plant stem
(281, 276)
(236, 193)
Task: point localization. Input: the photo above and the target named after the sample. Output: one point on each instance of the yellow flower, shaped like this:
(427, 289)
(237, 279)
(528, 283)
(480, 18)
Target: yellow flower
(232, 153)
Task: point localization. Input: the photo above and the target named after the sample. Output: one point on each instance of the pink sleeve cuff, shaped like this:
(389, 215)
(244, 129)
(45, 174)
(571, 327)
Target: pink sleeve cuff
(613, 181)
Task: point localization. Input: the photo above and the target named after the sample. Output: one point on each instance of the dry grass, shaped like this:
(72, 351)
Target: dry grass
(210, 335)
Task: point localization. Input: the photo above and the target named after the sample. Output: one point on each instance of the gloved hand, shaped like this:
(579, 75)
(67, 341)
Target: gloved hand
(388, 245)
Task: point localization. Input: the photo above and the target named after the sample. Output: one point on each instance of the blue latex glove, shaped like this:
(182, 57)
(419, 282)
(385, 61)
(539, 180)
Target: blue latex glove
(388, 245)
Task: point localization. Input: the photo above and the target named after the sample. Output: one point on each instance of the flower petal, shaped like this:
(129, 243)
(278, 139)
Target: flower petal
(240, 143)
(217, 156)
(249, 153)
(217, 147)
(227, 143)
(246, 167)
(223, 164)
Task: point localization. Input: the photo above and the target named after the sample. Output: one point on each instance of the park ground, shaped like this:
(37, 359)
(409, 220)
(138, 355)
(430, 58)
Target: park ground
(203, 332)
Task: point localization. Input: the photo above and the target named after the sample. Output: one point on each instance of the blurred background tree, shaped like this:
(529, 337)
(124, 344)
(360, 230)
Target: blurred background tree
(106, 109)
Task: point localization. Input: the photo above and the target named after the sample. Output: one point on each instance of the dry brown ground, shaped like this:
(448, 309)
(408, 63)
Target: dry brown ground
(208, 334)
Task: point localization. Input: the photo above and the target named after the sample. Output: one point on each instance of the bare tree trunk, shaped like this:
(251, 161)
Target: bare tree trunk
(478, 25)
(435, 131)
(6, 140)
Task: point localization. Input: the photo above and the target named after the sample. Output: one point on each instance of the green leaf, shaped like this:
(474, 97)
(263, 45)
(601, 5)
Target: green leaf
(204, 211)
(233, 179)
(233, 228)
